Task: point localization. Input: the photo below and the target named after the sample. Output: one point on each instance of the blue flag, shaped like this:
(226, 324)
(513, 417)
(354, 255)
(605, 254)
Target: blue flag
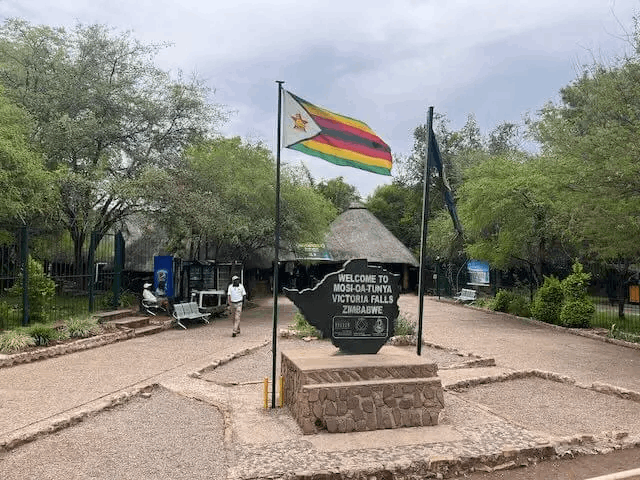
(446, 192)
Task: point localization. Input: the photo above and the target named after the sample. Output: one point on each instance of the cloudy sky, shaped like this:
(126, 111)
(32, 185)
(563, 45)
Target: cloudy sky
(381, 61)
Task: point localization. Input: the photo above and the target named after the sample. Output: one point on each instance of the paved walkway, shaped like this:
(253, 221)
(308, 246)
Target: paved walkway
(227, 433)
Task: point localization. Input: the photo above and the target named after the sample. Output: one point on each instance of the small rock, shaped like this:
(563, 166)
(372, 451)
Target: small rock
(504, 466)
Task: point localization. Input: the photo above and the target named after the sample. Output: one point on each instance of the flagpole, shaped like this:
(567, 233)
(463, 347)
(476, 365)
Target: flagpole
(276, 261)
(423, 238)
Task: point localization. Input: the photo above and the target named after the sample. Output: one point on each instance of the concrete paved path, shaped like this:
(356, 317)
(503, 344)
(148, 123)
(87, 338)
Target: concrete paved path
(521, 344)
(254, 443)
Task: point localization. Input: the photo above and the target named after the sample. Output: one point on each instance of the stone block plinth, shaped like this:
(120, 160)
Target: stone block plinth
(353, 393)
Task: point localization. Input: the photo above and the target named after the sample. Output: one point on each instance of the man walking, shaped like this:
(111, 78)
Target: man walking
(236, 295)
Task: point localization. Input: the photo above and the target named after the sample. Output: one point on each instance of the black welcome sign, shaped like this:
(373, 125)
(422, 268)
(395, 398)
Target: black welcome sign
(356, 306)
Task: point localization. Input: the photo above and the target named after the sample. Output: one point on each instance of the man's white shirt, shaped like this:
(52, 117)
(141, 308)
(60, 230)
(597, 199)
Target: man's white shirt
(236, 294)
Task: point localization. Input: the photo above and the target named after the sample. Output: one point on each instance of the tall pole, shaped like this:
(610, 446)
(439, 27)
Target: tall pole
(276, 262)
(423, 238)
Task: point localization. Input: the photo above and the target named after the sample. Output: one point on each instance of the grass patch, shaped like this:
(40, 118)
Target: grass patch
(13, 341)
(43, 334)
(303, 328)
(82, 327)
(404, 327)
(630, 323)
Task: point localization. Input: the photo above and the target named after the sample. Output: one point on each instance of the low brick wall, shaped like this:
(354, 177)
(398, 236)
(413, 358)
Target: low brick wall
(373, 394)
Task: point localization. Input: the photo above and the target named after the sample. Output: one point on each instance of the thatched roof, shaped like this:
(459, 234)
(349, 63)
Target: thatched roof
(357, 233)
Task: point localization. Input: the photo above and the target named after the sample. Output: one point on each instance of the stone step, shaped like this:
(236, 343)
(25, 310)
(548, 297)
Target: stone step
(114, 314)
(149, 330)
(130, 322)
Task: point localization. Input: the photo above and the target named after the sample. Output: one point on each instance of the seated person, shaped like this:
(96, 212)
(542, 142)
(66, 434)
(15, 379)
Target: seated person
(158, 301)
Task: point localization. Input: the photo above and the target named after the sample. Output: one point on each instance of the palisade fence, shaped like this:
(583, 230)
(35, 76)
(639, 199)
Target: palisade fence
(616, 297)
(59, 282)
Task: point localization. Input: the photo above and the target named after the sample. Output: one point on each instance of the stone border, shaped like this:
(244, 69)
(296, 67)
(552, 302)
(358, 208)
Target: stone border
(70, 418)
(598, 387)
(212, 366)
(43, 353)
(62, 349)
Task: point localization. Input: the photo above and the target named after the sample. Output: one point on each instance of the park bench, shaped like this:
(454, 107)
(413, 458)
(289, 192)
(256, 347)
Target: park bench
(188, 311)
(466, 295)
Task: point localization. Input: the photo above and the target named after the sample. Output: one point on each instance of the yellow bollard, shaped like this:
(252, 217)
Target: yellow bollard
(281, 385)
(266, 392)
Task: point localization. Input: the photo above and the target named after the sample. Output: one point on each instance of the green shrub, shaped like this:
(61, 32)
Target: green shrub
(578, 309)
(43, 334)
(404, 327)
(13, 341)
(519, 306)
(107, 301)
(547, 301)
(502, 300)
(82, 327)
(303, 328)
(41, 291)
(577, 313)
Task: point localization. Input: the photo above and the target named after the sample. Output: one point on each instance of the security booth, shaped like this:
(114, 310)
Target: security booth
(206, 282)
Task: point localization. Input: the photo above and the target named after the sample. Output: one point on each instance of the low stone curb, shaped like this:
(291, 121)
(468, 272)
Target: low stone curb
(436, 466)
(71, 347)
(212, 366)
(596, 387)
(65, 420)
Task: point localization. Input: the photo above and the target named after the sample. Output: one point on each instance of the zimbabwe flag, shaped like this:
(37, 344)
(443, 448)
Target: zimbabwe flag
(338, 139)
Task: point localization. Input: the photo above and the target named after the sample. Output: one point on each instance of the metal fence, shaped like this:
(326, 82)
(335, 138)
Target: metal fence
(43, 279)
(616, 295)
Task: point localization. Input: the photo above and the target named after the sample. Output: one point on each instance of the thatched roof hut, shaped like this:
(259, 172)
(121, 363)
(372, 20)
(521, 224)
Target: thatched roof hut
(357, 233)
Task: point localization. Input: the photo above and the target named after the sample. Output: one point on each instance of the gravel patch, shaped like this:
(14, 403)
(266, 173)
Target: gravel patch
(557, 408)
(166, 436)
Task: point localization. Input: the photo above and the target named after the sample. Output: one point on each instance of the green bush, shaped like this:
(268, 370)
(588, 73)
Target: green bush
(107, 301)
(404, 327)
(13, 341)
(547, 301)
(41, 291)
(577, 313)
(303, 328)
(82, 327)
(502, 300)
(43, 334)
(578, 309)
(519, 306)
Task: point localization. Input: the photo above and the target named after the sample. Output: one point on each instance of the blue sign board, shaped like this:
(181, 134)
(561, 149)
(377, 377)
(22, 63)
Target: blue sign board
(478, 272)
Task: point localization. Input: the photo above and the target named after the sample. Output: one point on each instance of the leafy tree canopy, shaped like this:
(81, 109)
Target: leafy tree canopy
(27, 188)
(104, 115)
(222, 195)
(338, 192)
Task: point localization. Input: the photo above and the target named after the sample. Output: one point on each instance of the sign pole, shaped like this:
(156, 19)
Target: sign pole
(423, 238)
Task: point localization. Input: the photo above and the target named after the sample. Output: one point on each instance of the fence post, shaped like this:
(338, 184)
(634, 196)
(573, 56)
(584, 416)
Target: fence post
(24, 260)
(90, 268)
(118, 265)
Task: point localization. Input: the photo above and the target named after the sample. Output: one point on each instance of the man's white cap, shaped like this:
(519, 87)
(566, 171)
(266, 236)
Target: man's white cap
(235, 277)
(147, 285)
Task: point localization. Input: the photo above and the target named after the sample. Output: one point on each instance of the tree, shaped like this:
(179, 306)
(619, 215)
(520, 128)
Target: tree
(27, 190)
(396, 207)
(338, 192)
(593, 135)
(222, 198)
(104, 115)
(508, 209)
